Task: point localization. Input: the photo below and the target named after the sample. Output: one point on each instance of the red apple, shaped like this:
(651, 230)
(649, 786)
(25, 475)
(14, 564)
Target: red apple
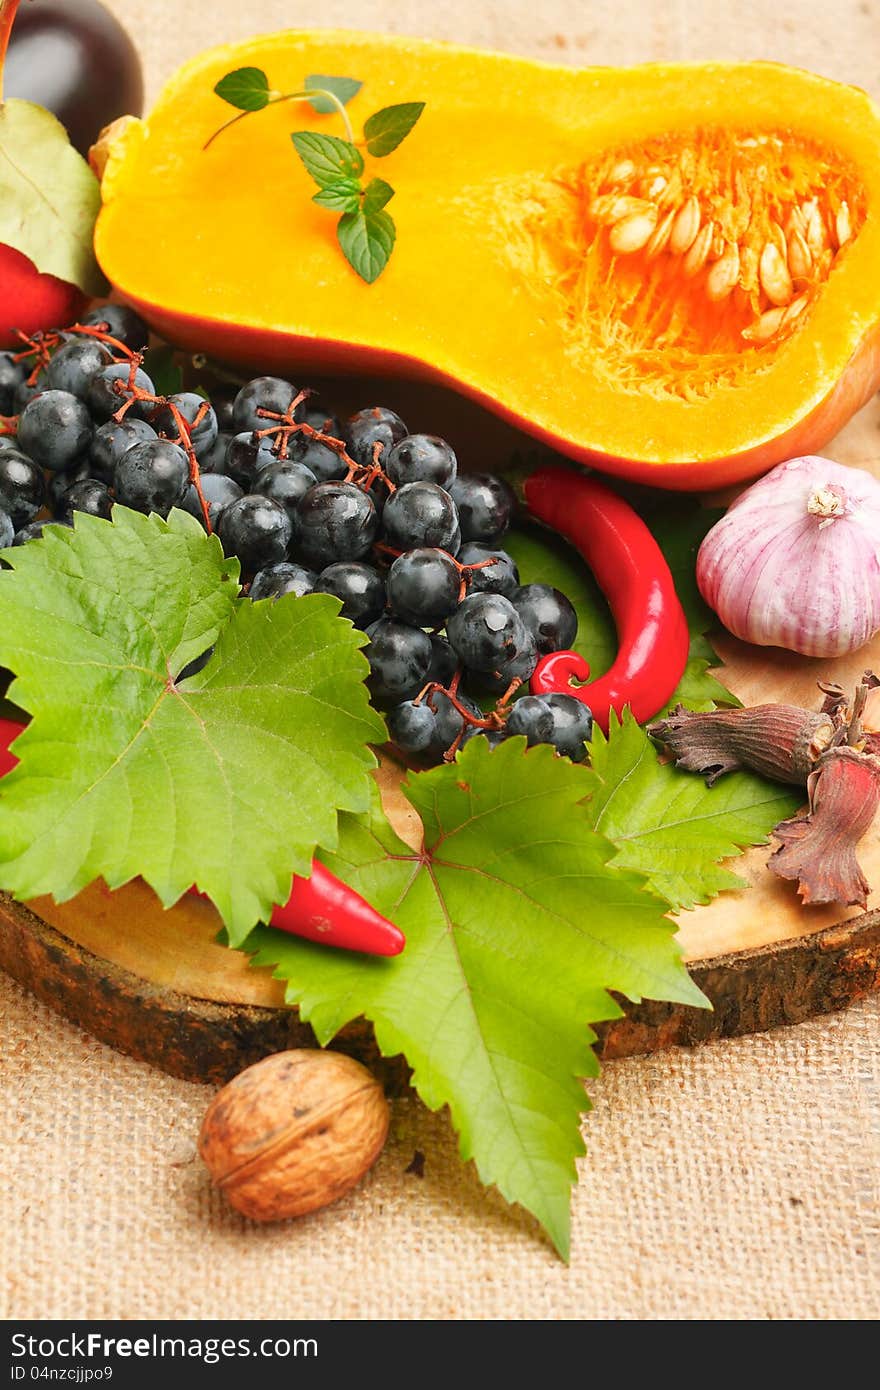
(30, 301)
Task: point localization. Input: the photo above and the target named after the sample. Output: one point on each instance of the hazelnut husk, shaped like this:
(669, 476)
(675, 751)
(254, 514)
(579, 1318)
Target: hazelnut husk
(778, 741)
(294, 1132)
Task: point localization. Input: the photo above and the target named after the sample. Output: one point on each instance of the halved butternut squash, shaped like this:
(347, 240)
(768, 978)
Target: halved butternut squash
(669, 271)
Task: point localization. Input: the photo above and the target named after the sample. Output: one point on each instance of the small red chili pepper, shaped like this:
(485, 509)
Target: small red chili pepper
(320, 908)
(9, 730)
(632, 573)
(323, 908)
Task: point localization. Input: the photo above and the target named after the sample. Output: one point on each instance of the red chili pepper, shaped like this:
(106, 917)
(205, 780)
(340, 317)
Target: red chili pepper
(323, 908)
(632, 573)
(320, 908)
(9, 729)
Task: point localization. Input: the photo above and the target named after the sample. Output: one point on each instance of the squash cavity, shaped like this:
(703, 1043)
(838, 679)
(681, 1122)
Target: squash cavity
(680, 265)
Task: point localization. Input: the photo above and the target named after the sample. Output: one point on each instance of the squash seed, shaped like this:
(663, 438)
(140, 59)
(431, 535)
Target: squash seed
(623, 170)
(765, 327)
(660, 235)
(795, 309)
(695, 257)
(632, 232)
(685, 227)
(800, 260)
(775, 279)
(723, 275)
(814, 232)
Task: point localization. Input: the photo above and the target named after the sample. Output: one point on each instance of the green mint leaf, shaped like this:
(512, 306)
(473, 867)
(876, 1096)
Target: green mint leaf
(367, 240)
(327, 158)
(49, 197)
(342, 196)
(229, 778)
(671, 827)
(517, 929)
(385, 130)
(343, 88)
(376, 194)
(163, 369)
(245, 88)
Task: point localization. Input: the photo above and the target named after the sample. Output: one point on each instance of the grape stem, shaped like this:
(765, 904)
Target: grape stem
(133, 392)
(286, 426)
(495, 719)
(40, 346)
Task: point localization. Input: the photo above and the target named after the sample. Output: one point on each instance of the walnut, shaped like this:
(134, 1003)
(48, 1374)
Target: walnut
(294, 1132)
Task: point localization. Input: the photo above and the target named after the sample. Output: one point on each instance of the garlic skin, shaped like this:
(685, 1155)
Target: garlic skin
(795, 561)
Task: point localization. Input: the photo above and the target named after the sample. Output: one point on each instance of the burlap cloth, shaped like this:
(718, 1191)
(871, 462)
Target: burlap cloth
(739, 1181)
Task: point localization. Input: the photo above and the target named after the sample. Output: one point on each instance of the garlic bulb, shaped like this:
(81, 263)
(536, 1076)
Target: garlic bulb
(795, 561)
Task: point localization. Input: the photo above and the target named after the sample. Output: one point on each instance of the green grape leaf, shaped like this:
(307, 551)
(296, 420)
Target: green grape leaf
(343, 88)
(386, 129)
(342, 196)
(247, 89)
(517, 928)
(49, 197)
(367, 240)
(327, 158)
(228, 778)
(673, 828)
(698, 687)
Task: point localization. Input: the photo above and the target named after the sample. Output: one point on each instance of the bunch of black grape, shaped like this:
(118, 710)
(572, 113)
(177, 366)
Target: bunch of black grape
(364, 510)
(63, 453)
(412, 548)
(70, 452)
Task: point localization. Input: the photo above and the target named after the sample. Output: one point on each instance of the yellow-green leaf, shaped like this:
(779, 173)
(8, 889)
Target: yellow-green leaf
(49, 197)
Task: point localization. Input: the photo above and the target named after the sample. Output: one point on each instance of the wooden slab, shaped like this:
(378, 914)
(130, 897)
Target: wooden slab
(157, 985)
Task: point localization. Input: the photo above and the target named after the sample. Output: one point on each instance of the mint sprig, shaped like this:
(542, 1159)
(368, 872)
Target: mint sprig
(328, 159)
(367, 240)
(389, 127)
(246, 88)
(342, 88)
(366, 232)
(344, 195)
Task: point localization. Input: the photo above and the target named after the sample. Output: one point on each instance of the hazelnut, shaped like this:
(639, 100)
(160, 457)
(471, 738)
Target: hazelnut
(294, 1132)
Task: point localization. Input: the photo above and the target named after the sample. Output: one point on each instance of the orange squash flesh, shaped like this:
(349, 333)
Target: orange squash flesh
(519, 275)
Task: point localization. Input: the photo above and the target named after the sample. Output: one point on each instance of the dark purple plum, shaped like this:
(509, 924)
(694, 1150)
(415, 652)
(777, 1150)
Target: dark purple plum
(75, 58)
